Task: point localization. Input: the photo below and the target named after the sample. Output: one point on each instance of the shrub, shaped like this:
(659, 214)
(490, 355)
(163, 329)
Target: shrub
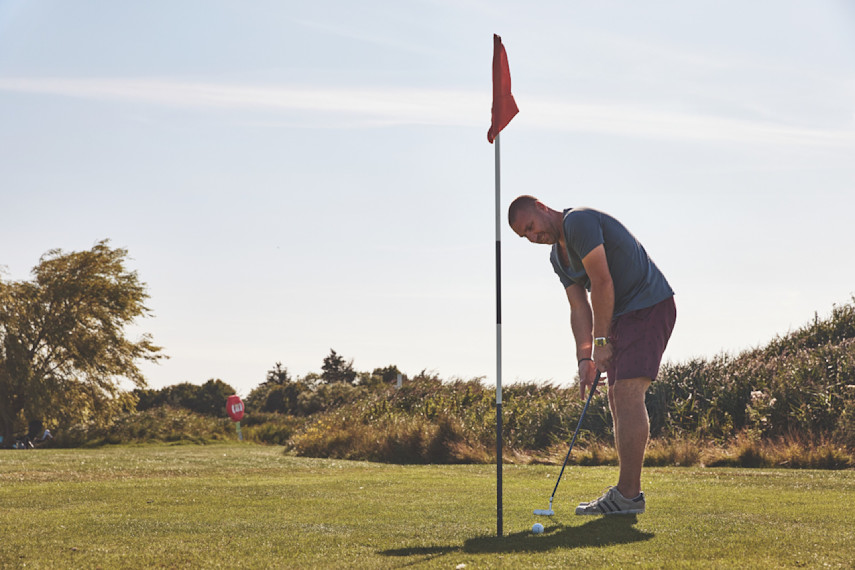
(208, 399)
(789, 403)
(162, 424)
(681, 452)
(392, 440)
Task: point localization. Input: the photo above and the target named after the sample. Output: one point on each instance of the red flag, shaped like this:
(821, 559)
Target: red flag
(504, 106)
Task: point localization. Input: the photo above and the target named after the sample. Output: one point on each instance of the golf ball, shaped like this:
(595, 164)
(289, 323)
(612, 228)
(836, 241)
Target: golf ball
(537, 528)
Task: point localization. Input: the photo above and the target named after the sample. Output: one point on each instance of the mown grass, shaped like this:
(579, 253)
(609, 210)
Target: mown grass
(250, 506)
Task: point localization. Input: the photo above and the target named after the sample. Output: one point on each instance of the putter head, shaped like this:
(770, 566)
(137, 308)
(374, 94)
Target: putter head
(544, 512)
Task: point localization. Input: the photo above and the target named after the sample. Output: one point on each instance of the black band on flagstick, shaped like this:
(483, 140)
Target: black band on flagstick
(498, 282)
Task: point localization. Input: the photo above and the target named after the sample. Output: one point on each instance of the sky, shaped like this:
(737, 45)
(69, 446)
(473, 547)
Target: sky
(295, 177)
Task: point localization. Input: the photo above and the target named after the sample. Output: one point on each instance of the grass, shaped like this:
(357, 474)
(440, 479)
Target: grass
(250, 506)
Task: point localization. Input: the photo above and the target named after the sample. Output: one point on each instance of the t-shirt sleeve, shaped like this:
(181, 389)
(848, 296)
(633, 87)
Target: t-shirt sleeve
(583, 231)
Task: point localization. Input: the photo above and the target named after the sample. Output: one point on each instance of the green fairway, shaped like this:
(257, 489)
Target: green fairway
(247, 506)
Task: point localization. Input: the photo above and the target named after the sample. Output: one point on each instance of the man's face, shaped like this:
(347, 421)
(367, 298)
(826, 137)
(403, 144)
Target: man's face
(532, 224)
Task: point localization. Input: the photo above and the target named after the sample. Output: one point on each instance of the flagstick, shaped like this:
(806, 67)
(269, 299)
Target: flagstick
(498, 348)
(504, 109)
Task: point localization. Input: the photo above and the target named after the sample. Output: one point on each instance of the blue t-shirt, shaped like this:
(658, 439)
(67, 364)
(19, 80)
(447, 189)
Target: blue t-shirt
(637, 281)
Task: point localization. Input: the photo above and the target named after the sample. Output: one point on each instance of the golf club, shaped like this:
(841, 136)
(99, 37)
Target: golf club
(549, 512)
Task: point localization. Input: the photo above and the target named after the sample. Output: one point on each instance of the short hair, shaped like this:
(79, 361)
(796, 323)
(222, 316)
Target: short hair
(520, 204)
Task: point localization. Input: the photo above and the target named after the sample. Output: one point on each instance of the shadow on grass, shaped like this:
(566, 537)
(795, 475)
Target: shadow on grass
(604, 531)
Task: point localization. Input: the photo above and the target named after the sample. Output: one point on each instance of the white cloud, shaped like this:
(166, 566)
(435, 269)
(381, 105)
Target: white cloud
(326, 107)
(382, 106)
(636, 121)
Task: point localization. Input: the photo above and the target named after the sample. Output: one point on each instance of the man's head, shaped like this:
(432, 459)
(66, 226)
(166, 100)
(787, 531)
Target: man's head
(532, 219)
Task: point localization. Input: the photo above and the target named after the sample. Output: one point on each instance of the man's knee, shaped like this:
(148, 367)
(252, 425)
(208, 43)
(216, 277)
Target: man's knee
(628, 393)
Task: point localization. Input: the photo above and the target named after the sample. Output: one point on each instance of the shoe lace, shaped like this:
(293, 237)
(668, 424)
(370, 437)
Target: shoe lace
(603, 496)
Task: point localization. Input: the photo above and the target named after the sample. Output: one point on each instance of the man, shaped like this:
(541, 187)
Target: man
(622, 330)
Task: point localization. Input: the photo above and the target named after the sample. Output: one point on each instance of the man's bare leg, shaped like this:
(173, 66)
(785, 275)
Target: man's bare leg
(632, 429)
(614, 416)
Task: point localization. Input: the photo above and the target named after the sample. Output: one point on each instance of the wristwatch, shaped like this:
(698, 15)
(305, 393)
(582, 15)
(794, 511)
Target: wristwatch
(601, 341)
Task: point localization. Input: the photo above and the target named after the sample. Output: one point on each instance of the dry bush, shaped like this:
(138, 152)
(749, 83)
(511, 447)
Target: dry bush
(677, 452)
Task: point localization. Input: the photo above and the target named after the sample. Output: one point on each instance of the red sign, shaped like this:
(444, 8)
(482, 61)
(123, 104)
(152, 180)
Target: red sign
(234, 407)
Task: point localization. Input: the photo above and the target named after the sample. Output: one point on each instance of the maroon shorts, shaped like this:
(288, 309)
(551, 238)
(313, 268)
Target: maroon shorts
(638, 339)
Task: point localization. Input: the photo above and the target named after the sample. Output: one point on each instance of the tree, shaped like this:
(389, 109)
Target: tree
(181, 395)
(63, 344)
(287, 399)
(211, 398)
(389, 374)
(278, 375)
(258, 397)
(335, 369)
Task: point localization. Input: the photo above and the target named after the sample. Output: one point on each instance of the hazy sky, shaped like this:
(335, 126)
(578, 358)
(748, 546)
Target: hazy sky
(295, 176)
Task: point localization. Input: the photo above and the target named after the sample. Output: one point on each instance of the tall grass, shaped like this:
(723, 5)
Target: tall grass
(429, 421)
(803, 383)
(789, 403)
(428, 425)
(162, 424)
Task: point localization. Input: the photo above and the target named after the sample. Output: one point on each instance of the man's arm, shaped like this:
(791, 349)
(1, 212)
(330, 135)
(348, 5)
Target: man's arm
(582, 324)
(602, 301)
(581, 320)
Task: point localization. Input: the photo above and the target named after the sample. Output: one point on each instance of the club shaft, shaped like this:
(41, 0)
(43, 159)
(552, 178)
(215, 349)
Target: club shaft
(575, 434)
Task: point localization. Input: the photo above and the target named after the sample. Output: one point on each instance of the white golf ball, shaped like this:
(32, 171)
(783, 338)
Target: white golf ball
(537, 528)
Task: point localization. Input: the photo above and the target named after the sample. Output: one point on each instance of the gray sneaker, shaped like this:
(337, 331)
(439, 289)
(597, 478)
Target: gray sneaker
(612, 503)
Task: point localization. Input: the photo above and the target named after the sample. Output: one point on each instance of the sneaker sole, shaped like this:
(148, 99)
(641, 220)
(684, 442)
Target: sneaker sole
(599, 514)
(609, 505)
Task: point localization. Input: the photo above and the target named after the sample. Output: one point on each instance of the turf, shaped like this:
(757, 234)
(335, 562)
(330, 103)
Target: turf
(247, 506)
